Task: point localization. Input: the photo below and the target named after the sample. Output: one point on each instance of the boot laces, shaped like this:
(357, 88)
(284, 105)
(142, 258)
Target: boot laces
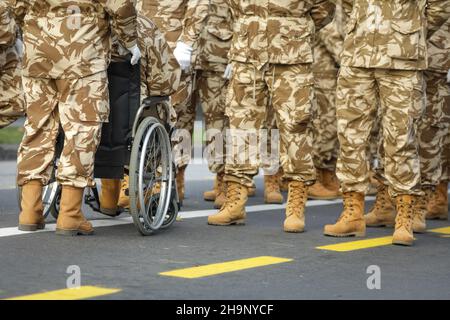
(297, 198)
(233, 194)
(405, 214)
(272, 185)
(349, 208)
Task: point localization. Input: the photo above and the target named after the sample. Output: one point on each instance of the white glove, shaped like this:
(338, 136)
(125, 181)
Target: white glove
(448, 76)
(136, 54)
(183, 54)
(228, 71)
(19, 47)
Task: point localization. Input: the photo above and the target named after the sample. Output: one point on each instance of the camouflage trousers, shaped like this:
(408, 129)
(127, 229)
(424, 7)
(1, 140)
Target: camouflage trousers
(12, 103)
(399, 94)
(325, 141)
(289, 90)
(79, 107)
(185, 107)
(211, 90)
(433, 127)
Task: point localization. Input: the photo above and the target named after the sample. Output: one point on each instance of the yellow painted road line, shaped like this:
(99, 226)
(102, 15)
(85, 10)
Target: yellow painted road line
(358, 245)
(445, 230)
(224, 267)
(83, 292)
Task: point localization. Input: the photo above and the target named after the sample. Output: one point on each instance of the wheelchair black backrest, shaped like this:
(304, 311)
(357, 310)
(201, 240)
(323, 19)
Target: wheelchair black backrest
(124, 96)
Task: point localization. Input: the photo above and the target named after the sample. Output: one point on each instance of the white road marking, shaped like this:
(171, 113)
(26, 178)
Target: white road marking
(13, 231)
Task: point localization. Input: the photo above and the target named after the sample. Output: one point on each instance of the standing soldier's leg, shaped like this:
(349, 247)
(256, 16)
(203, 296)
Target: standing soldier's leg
(356, 103)
(12, 102)
(293, 94)
(438, 201)
(36, 151)
(83, 107)
(270, 162)
(401, 96)
(212, 93)
(325, 138)
(185, 108)
(246, 105)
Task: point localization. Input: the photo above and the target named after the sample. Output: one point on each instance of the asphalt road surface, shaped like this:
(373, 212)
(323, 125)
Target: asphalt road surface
(192, 260)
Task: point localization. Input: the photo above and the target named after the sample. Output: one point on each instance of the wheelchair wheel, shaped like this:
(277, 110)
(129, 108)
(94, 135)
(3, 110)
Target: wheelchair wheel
(151, 176)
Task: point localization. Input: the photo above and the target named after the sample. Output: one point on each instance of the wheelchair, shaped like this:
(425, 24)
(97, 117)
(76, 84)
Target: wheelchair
(139, 145)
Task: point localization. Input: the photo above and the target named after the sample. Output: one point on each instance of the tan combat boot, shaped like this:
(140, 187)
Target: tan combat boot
(373, 184)
(252, 190)
(124, 198)
(403, 233)
(180, 182)
(31, 217)
(330, 181)
(295, 207)
(71, 221)
(382, 213)
(318, 191)
(351, 222)
(109, 196)
(221, 196)
(438, 205)
(272, 193)
(420, 211)
(211, 195)
(233, 211)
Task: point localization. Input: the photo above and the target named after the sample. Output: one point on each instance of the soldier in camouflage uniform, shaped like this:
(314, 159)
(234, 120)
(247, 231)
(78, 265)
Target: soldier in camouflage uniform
(11, 98)
(207, 28)
(168, 16)
(384, 53)
(271, 56)
(65, 84)
(327, 50)
(158, 78)
(434, 134)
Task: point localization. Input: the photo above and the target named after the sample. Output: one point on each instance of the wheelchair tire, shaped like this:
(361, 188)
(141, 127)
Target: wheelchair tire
(150, 167)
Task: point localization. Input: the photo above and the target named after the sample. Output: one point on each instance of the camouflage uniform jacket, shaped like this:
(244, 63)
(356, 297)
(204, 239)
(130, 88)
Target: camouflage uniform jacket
(390, 34)
(207, 27)
(64, 40)
(439, 49)
(168, 15)
(156, 76)
(332, 35)
(7, 27)
(276, 31)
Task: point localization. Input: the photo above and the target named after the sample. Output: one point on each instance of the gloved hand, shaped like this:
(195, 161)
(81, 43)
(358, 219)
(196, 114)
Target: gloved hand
(136, 54)
(19, 47)
(228, 71)
(183, 54)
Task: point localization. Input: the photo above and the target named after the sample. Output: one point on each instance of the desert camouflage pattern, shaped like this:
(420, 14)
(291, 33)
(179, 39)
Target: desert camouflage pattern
(276, 31)
(400, 95)
(212, 91)
(439, 48)
(158, 78)
(71, 40)
(391, 34)
(289, 90)
(168, 16)
(433, 127)
(208, 28)
(79, 106)
(11, 96)
(325, 69)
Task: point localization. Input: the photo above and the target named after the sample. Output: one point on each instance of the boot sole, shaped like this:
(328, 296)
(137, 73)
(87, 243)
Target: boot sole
(237, 222)
(31, 227)
(420, 231)
(437, 218)
(209, 199)
(402, 243)
(294, 231)
(73, 232)
(344, 235)
(273, 202)
(323, 198)
(109, 212)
